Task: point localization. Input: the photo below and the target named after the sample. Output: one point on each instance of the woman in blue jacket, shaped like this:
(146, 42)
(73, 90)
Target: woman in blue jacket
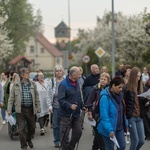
(111, 114)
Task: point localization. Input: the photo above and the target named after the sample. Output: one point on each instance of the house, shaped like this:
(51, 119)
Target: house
(19, 62)
(42, 53)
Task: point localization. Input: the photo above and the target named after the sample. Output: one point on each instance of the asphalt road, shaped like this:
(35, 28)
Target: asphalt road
(46, 142)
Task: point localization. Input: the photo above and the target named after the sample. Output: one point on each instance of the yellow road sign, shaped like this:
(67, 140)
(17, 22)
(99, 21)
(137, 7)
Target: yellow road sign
(99, 52)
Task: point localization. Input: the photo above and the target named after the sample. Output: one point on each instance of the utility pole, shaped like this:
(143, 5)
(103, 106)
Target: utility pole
(113, 42)
(69, 47)
(36, 45)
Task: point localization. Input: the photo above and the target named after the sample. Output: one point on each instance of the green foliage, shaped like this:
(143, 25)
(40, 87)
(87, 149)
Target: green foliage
(20, 22)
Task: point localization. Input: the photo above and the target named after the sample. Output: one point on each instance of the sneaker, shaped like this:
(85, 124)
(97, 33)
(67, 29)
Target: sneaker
(42, 131)
(57, 146)
(45, 130)
(4, 122)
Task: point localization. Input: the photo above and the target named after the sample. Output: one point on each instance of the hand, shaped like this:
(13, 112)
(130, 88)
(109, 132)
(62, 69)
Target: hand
(147, 104)
(74, 106)
(89, 115)
(111, 134)
(85, 109)
(1, 104)
(51, 110)
(9, 113)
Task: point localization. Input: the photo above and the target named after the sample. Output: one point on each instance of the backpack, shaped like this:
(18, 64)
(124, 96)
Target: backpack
(96, 109)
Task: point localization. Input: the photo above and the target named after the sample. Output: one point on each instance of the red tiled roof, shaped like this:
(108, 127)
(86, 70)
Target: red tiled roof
(53, 50)
(17, 59)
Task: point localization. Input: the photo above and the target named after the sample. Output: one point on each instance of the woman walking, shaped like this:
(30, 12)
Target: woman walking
(134, 104)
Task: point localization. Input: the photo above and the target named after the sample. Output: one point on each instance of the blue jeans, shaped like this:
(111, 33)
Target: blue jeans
(56, 125)
(3, 112)
(136, 129)
(109, 144)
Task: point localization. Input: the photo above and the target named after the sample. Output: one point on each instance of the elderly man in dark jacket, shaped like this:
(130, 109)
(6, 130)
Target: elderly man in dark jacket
(70, 105)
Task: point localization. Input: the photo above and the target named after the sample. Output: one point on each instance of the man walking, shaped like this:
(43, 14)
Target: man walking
(70, 105)
(25, 97)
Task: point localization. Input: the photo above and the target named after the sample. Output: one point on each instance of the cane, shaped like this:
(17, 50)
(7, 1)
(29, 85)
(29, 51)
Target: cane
(70, 118)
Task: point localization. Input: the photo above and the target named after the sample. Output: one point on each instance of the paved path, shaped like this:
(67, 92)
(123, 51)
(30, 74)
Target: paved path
(46, 142)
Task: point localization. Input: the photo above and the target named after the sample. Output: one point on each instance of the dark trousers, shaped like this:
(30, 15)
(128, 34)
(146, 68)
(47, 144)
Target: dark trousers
(42, 120)
(25, 121)
(98, 142)
(75, 125)
(146, 122)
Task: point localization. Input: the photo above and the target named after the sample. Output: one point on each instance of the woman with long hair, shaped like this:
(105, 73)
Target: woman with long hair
(134, 105)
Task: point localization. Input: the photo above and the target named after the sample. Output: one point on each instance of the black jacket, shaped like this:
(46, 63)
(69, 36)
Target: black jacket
(129, 98)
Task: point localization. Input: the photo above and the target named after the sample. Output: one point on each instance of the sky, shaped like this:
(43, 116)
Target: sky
(83, 13)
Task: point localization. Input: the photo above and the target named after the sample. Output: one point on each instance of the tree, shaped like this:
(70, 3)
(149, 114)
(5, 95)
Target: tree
(6, 45)
(20, 22)
(130, 38)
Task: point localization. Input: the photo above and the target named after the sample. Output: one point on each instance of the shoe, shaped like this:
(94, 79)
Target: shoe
(4, 122)
(57, 146)
(45, 130)
(42, 131)
(24, 148)
(30, 144)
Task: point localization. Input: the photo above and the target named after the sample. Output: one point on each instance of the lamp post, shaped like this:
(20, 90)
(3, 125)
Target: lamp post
(113, 42)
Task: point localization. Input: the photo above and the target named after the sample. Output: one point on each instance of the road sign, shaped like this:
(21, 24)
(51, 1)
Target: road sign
(99, 52)
(86, 58)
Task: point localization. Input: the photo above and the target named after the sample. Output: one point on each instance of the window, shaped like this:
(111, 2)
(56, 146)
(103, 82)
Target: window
(31, 49)
(42, 50)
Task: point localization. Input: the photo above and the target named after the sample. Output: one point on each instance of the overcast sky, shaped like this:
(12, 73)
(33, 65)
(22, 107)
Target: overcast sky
(83, 13)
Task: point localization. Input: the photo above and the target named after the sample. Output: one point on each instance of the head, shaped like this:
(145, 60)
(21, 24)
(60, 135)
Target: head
(58, 71)
(74, 73)
(94, 69)
(24, 73)
(40, 77)
(125, 71)
(116, 84)
(5, 75)
(16, 77)
(81, 71)
(104, 69)
(39, 70)
(104, 79)
(135, 80)
(121, 66)
(145, 70)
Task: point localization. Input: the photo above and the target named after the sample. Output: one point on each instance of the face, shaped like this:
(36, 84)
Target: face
(40, 76)
(117, 89)
(95, 69)
(59, 73)
(76, 75)
(145, 70)
(3, 77)
(128, 72)
(25, 75)
(103, 81)
(138, 76)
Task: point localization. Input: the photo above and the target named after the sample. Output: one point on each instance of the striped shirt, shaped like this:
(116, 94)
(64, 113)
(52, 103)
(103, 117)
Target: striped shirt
(26, 95)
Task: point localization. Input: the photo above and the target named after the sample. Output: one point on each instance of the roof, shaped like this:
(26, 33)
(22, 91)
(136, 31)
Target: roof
(17, 59)
(62, 31)
(61, 25)
(52, 49)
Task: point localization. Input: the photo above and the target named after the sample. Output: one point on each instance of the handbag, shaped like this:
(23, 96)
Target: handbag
(148, 114)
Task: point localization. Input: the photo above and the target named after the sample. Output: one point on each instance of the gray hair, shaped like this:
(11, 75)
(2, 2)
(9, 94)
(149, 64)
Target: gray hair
(22, 71)
(73, 70)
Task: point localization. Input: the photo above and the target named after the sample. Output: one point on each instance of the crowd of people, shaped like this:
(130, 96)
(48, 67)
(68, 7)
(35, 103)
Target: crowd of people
(64, 99)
